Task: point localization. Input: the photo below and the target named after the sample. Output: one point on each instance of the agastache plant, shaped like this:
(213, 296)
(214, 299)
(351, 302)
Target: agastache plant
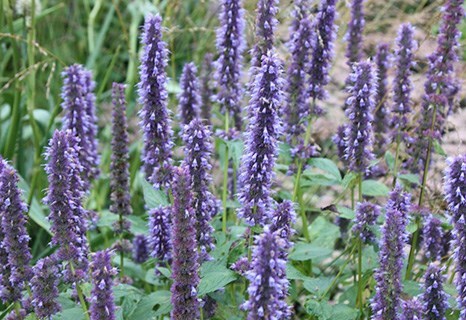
(354, 33)
(119, 167)
(198, 153)
(434, 298)
(4, 270)
(189, 98)
(159, 233)
(284, 217)
(102, 273)
(15, 241)
(206, 88)
(387, 300)
(44, 288)
(230, 47)
(185, 266)
(140, 248)
(411, 309)
(153, 96)
(459, 255)
(367, 214)
(261, 146)
(432, 236)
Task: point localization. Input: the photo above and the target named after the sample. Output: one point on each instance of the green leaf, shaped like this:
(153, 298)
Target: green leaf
(35, 211)
(319, 309)
(308, 251)
(349, 180)
(374, 188)
(346, 212)
(235, 149)
(317, 179)
(390, 160)
(215, 279)
(294, 274)
(323, 233)
(284, 152)
(438, 148)
(326, 165)
(154, 198)
(155, 304)
(343, 312)
(75, 313)
(317, 286)
(412, 288)
(166, 272)
(410, 178)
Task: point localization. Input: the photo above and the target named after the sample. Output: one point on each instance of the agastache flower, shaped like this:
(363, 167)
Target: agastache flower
(268, 285)
(140, 249)
(198, 154)
(159, 233)
(44, 287)
(15, 240)
(455, 186)
(360, 105)
(153, 96)
(102, 301)
(119, 167)
(283, 218)
(432, 235)
(434, 298)
(185, 266)
(339, 139)
(355, 32)
(366, 218)
(230, 47)
(261, 146)
(4, 270)
(387, 301)
(411, 309)
(79, 117)
(207, 91)
(189, 98)
(460, 260)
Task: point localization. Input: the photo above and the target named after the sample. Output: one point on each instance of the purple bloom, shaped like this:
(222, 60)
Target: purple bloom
(360, 105)
(119, 167)
(64, 200)
(159, 233)
(339, 139)
(460, 260)
(153, 96)
(355, 32)
(432, 235)
(15, 240)
(261, 146)
(185, 266)
(435, 300)
(381, 123)
(140, 249)
(455, 186)
(44, 287)
(283, 218)
(102, 302)
(411, 309)
(268, 285)
(207, 91)
(366, 218)
(241, 266)
(189, 98)
(4, 270)
(79, 117)
(301, 10)
(230, 47)
(198, 153)
(402, 86)
(386, 301)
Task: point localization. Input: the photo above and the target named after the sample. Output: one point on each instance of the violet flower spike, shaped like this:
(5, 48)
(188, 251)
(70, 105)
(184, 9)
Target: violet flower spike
(367, 214)
(411, 309)
(153, 96)
(198, 146)
(284, 217)
(230, 46)
(256, 172)
(207, 88)
(455, 187)
(159, 233)
(15, 241)
(102, 300)
(185, 266)
(459, 255)
(268, 285)
(434, 298)
(4, 270)
(140, 249)
(189, 98)
(360, 106)
(387, 301)
(354, 35)
(119, 167)
(44, 287)
(432, 238)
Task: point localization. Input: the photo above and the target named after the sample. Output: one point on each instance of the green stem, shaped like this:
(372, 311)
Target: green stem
(225, 179)
(395, 168)
(80, 294)
(90, 26)
(122, 255)
(359, 300)
(302, 212)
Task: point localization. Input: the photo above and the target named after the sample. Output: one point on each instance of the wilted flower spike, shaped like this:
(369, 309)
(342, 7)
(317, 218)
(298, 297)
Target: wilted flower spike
(159, 233)
(198, 154)
(261, 146)
(153, 96)
(44, 287)
(15, 239)
(360, 106)
(268, 285)
(432, 236)
(387, 301)
(366, 217)
(102, 301)
(140, 249)
(207, 90)
(434, 298)
(189, 98)
(185, 266)
(455, 186)
(411, 309)
(119, 167)
(355, 32)
(230, 47)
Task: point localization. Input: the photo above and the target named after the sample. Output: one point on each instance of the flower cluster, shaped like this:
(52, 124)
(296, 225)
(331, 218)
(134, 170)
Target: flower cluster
(140, 249)
(366, 217)
(159, 233)
(411, 309)
(207, 88)
(102, 301)
(432, 237)
(355, 32)
(44, 287)
(189, 98)
(435, 300)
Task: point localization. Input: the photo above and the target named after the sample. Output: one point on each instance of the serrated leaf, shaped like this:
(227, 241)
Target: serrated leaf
(349, 180)
(343, 312)
(153, 305)
(215, 280)
(326, 165)
(346, 212)
(308, 251)
(410, 178)
(374, 188)
(75, 313)
(319, 309)
(317, 286)
(323, 233)
(294, 274)
(317, 179)
(153, 198)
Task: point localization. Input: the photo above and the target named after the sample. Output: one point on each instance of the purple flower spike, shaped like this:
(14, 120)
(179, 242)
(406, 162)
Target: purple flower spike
(207, 90)
(460, 260)
(159, 233)
(434, 298)
(4, 270)
(44, 287)
(339, 139)
(366, 218)
(455, 186)
(153, 96)
(381, 121)
(102, 301)
(386, 301)
(360, 106)
(119, 167)
(66, 211)
(185, 266)
(189, 98)
(432, 235)
(411, 309)
(15, 241)
(402, 85)
(283, 218)
(355, 32)
(268, 285)
(230, 47)
(79, 117)
(140, 249)
(322, 53)
(261, 146)
(198, 154)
